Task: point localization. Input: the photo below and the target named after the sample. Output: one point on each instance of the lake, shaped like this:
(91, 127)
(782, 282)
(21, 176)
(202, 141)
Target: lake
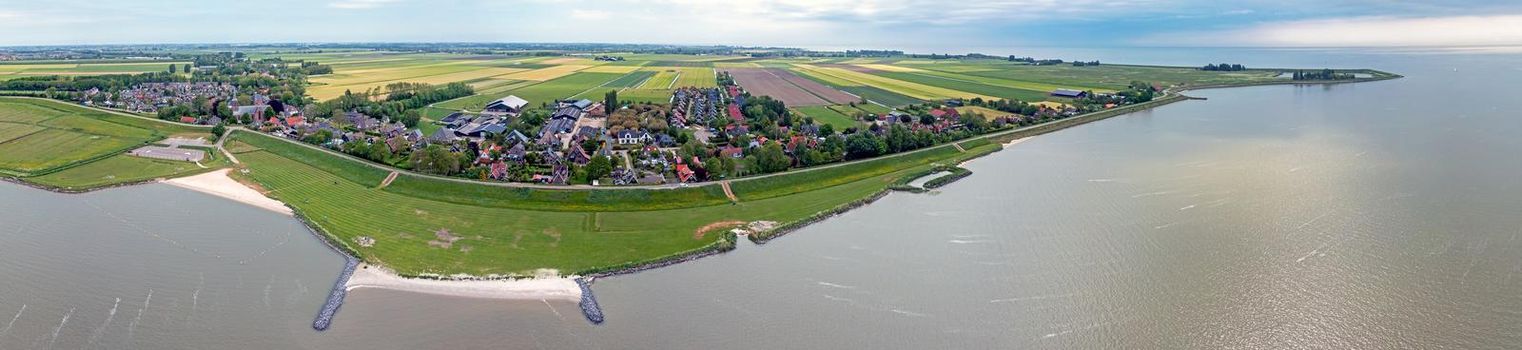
(1374, 215)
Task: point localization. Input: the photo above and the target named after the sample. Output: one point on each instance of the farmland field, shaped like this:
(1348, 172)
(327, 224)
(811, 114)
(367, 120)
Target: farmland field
(358, 72)
(631, 79)
(986, 112)
(765, 82)
(873, 94)
(498, 240)
(911, 89)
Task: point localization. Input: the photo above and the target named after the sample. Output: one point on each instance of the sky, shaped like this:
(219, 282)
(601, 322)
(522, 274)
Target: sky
(913, 25)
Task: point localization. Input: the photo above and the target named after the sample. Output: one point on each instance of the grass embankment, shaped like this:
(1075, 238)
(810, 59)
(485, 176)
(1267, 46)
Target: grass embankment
(505, 231)
(40, 137)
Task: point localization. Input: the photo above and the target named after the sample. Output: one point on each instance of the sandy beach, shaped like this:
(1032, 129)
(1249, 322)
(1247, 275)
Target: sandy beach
(217, 183)
(552, 288)
(1016, 141)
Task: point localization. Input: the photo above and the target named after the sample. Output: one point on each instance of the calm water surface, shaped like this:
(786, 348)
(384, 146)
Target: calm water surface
(1380, 215)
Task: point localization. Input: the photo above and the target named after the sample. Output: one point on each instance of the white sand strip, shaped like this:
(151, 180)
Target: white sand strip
(553, 288)
(217, 183)
(1017, 141)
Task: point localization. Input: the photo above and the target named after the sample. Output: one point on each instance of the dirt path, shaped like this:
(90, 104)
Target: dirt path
(388, 180)
(714, 226)
(220, 140)
(727, 192)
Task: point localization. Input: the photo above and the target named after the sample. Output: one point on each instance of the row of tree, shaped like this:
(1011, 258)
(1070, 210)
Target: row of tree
(1224, 67)
(1324, 74)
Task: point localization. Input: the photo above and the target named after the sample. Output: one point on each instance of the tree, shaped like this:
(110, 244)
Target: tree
(610, 101)
(771, 159)
(599, 167)
(217, 131)
(435, 159)
(185, 68)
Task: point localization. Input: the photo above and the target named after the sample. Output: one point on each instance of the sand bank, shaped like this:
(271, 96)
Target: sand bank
(217, 183)
(554, 288)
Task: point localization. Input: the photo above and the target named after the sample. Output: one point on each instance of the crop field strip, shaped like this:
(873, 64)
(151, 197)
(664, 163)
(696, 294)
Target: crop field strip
(915, 90)
(873, 94)
(762, 82)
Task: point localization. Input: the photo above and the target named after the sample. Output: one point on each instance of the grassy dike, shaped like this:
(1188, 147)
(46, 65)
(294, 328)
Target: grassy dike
(64, 147)
(423, 235)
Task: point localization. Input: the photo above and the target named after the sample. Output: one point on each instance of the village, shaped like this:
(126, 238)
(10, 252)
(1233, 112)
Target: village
(741, 122)
(580, 142)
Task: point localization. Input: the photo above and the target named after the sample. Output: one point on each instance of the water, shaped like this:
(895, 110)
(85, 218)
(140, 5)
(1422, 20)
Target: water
(1379, 215)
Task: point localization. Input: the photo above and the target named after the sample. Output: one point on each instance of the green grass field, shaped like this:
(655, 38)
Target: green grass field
(826, 115)
(630, 79)
(507, 231)
(123, 168)
(40, 136)
(68, 147)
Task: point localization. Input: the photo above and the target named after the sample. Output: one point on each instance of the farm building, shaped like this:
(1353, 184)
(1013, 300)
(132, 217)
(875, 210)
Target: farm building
(511, 104)
(1070, 93)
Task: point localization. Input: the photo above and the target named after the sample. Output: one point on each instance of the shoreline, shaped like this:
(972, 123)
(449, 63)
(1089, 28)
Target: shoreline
(218, 183)
(565, 288)
(359, 275)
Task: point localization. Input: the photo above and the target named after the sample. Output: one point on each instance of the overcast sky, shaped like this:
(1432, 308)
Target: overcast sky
(914, 25)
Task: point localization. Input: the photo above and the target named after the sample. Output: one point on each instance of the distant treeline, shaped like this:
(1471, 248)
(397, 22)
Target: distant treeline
(401, 102)
(82, 83)
(1324, 74)
(1224, 67)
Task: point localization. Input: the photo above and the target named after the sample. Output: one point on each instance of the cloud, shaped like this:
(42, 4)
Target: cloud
(590, 14)
(1485, 30)
(359, 4)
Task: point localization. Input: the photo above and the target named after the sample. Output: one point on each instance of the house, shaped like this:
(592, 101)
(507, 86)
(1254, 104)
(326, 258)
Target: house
(507, 105)
(665, 140)
(498, 170)
(1070, 93)
(732, 152)
(582, 104)
(443, 136)
(515, 137)
(296, 120)
(571, 113)
(734, 113)
(188, 120)
(516, 153)
(633, 137)
(453, 117)
(363, 122)
(685, 174)
(557, 126)
(577, 155)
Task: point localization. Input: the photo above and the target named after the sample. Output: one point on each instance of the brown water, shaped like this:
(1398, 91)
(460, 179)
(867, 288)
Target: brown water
(1379, 215)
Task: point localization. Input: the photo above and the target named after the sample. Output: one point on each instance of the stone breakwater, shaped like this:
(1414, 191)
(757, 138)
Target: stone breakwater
(779, 231)
(589, 307)
(336, 296)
